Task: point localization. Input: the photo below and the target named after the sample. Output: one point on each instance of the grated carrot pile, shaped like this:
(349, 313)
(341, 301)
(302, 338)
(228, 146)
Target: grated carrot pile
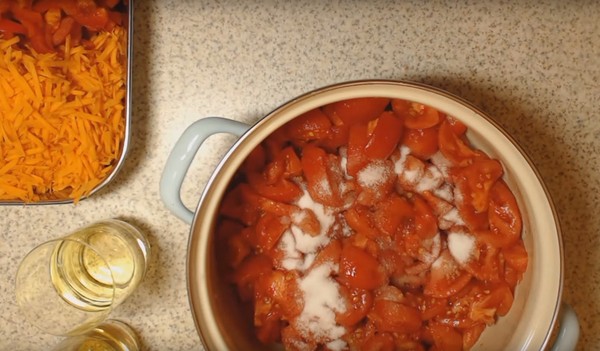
(62, 117)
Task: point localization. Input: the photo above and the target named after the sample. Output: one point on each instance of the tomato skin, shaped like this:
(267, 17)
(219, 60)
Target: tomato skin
(392, 316)
(360, 270)
(423, 143)
(385, 136)
(357, 110)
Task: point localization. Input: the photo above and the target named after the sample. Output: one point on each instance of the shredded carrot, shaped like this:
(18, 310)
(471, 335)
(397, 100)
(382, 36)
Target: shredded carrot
(62, 117)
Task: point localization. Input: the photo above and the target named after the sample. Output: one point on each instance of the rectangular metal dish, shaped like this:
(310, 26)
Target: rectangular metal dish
(127, 123)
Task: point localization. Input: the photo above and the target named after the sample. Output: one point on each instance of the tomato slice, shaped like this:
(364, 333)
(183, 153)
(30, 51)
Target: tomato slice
(248, 272)
(480, 176)
(241, 203)
(445, 337)
(385, 136)
(282, 190)
(484, 263)
(393, 215)
(416, 115)
(358, 269)
(269, 229)
(322, 183)
(311, 125)
(425, 220)
(504, 215)
(357, 110)
(357, 142)
(422, 143)
(380, 342)
(360, 219)
(472, 334)
(516, 257)
(446, 277)
(375, 181)
(358, 304)
(454, 148)
(392, 316)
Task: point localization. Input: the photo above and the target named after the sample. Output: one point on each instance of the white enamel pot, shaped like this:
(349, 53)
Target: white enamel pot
(538, 320)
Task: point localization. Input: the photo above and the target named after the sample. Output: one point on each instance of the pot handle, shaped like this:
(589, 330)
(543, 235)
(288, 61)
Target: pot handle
(182, 155)
(568, 330)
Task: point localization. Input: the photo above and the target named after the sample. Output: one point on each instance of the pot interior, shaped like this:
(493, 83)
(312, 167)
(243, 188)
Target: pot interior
(224, 323)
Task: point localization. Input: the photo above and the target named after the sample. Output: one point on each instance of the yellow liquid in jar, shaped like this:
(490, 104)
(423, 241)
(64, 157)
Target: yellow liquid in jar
(114, 262)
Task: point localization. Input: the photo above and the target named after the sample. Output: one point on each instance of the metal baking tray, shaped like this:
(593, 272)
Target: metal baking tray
(127, 116)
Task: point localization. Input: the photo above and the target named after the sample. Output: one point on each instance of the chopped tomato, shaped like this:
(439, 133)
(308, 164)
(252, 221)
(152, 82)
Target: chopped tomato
(484, 263)
(285, 165)
(360, 219)
(423, 143)
(357, 142)
(248, 272)
(256, 160)
(446, 277)
(269, 229)
(392, 316)
(268, 327)
(425, 221)
(312, 125)
(504, 215)
(375, 181)
(357, 110)
(457, 126)
(282, 190)
(445, 338)
(241, 203)
(380, 342)
(358, 269)
(358, 304)
(454, 148)
(516, 257)
(471, 335)
(322, 185)
(480, 176)
(416, 115)
(393, 214)
(385, 137)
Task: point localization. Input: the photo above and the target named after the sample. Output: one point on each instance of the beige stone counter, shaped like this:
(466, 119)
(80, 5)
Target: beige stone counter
(534, 66)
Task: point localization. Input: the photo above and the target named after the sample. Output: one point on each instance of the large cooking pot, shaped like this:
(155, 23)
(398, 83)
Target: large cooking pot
(537, 320)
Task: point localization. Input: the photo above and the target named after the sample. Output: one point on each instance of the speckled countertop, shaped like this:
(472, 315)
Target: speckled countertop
(532, 65)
